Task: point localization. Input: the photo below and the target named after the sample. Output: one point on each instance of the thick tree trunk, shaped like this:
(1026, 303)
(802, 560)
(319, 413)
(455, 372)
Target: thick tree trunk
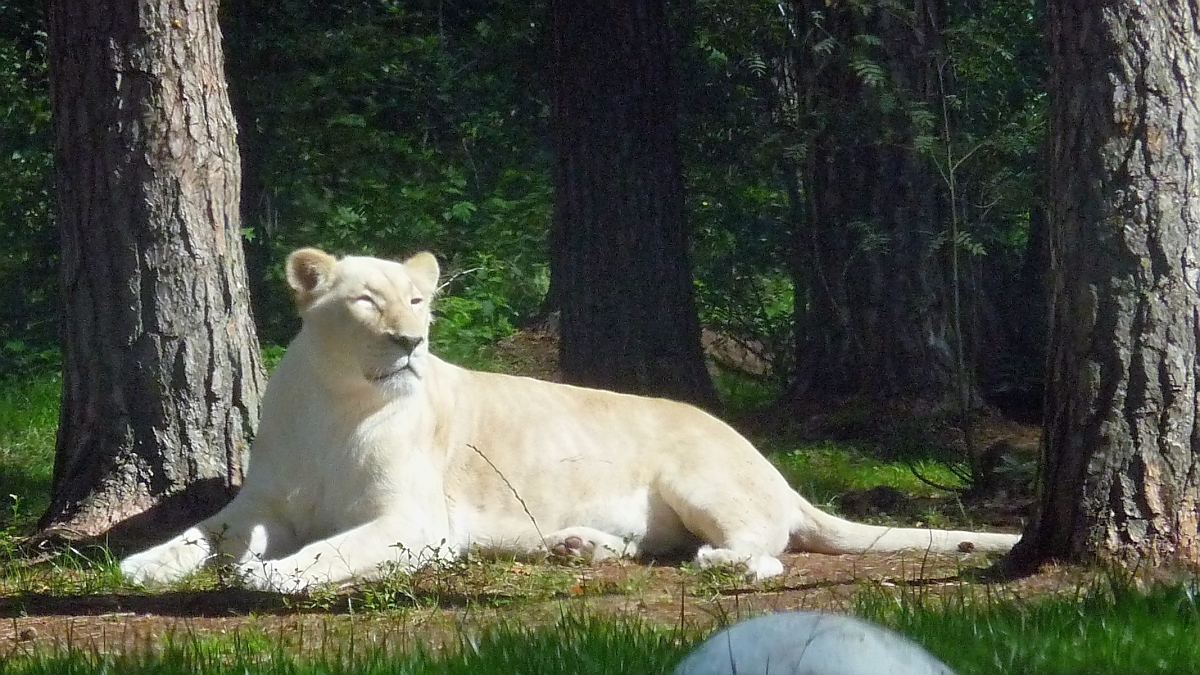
(874, 316)
(162, 373)
(619, 259)
(1121, 474)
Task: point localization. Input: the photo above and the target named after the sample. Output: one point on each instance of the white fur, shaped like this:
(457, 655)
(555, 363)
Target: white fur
(370, 457)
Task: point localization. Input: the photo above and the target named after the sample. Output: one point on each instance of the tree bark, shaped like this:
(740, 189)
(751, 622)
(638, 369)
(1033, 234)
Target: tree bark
(1120, 471)
(162, 373)
(619, 247)
(873, 308)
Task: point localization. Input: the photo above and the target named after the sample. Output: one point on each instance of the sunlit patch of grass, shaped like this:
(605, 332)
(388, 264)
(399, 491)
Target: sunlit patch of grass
(742, 392)
(469, 581)
(574, 644)
(1105, 627)
(68, 572)
(28, 426)
(822, 471)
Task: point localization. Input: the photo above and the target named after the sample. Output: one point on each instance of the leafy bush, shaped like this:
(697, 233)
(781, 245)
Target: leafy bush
(483, 300)
(29, 307)
(389, 127)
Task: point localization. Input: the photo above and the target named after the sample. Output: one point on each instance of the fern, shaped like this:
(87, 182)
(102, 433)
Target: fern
(922, 119)
(868, 40)
(965, 242)
(870, 237)
(871, 73)
(716, 57)
(925, 143)
(796, 151)
(825, 47)
(756, 64)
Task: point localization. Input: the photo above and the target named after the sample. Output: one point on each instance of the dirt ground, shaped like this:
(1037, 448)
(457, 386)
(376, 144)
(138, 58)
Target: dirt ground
(662, 594)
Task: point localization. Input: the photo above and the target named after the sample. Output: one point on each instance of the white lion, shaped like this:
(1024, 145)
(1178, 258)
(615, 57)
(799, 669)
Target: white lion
(374, 454)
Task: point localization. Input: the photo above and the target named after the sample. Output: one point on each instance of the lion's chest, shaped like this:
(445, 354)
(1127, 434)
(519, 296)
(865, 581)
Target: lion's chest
(341, 471)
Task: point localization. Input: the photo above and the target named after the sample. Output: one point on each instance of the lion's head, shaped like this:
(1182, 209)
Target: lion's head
(374, 312)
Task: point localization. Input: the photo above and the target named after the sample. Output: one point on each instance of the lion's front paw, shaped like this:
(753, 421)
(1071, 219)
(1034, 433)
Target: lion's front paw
(266, 576)
(150, 570)
(756, 566)
(169, 562)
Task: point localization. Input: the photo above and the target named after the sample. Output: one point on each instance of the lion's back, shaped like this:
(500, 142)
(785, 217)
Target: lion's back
(578, 437)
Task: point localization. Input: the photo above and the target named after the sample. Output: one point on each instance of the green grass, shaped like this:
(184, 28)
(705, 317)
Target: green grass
(28, 424)
(1106, 628)
(821, 471)
(575, 644)
(744, 393)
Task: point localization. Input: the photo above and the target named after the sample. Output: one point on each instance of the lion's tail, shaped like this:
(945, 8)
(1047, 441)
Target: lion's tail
(818, 532)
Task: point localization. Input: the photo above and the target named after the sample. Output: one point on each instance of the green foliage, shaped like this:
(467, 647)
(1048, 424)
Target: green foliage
(390, 127)
(738, 209)
(28, 241)
(21, 359)
(988, 126)
(767, 86)
(480, 304)
(378, 127)
(741, 392)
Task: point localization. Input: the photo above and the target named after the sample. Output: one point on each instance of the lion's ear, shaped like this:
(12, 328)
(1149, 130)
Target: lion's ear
(308, 270)
(423, 268)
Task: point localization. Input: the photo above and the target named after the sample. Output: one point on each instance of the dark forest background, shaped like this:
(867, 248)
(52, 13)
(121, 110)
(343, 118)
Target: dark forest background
(861, 178)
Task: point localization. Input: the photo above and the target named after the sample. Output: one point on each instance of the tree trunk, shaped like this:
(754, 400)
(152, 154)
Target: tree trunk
(1120, 470)
(162, 373)
(619, 259)
(874, 312)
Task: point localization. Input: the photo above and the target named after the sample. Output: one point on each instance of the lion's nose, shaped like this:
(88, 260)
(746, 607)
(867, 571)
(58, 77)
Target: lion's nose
(406, 342)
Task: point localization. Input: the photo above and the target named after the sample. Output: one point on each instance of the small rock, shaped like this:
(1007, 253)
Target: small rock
(812, 643)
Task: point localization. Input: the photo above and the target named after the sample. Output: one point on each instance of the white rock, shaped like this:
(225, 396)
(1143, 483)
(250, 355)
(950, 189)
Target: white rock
(809, 643)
